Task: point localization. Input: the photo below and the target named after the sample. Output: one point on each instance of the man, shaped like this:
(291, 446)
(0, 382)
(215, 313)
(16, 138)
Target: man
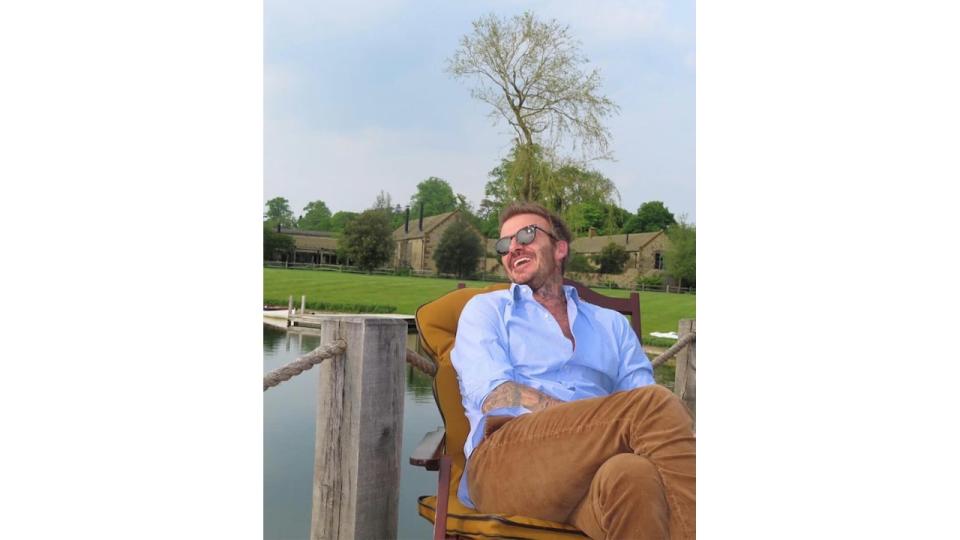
(566, 422)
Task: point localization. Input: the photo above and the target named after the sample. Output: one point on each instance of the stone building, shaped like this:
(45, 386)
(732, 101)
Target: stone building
(646, 249)
(417, 239)
(318, 247)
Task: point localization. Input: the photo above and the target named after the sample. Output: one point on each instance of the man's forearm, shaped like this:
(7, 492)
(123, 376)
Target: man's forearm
(511, 394)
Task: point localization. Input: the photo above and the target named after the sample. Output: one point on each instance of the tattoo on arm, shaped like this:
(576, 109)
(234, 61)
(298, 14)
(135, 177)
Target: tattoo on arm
(511, 394)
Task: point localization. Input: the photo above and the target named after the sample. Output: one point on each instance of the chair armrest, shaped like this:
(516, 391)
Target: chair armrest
(427, 453)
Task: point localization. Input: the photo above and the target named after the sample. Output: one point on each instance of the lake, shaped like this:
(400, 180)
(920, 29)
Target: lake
(289, 418)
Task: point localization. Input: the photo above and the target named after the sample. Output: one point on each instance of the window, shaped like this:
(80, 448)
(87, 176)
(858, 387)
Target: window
(658, 260)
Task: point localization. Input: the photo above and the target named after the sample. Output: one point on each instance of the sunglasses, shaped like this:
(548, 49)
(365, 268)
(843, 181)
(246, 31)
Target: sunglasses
(524, 236)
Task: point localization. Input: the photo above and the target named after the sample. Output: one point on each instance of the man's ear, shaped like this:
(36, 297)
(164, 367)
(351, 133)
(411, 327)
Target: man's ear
(561, 249)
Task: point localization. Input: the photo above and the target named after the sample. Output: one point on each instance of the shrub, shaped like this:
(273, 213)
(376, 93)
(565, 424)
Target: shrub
(578, 262)
(612, 258)
(339, 307)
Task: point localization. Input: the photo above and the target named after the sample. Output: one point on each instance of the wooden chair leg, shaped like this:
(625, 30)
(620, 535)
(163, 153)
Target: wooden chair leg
(443, 493)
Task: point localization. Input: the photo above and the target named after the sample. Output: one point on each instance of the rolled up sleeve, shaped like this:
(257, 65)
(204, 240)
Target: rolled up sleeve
(479, 354)
(635, 368)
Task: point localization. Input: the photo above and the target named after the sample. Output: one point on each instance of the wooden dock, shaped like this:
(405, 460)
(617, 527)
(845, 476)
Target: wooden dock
(313, 320)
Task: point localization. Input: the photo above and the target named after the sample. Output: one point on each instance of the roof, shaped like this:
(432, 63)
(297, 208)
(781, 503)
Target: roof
(305, 233)
(429, 223)
(632, 241)
(311, 240)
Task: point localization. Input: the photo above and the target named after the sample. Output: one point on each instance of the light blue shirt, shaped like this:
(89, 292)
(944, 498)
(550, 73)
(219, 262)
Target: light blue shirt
(508, 336)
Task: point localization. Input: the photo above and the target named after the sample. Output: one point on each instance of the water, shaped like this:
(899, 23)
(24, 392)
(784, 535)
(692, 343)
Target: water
(288, 437)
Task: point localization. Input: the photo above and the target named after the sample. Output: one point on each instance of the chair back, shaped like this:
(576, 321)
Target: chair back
(437, 327)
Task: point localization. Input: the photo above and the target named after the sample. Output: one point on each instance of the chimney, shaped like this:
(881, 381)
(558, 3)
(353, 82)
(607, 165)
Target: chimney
(421, 217)
(406, 222)
(593, 232)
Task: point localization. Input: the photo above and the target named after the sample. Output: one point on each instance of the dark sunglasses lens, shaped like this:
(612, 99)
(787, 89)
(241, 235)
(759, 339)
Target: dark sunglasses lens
(526, 235)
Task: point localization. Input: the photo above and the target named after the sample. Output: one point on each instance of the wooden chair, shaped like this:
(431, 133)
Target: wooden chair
(443, 449)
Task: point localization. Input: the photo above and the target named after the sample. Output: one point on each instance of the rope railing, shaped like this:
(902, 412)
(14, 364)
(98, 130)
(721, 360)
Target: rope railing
(422, 363)
(674, 349)
(303, 363)
(416, 360)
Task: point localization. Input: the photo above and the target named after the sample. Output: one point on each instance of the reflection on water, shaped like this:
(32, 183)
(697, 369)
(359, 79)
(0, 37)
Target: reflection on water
(288, 439)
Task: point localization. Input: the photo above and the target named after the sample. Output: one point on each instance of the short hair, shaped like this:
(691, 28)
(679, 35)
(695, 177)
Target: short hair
(560, 229)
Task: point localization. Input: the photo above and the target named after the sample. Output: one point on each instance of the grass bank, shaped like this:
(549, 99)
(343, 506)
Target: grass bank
(659, 311)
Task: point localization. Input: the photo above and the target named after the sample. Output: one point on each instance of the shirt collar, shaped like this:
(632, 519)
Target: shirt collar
(518, 291)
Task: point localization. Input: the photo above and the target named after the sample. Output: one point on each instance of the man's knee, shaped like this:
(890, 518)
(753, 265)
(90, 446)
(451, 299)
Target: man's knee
(629, 489)
(628, 472)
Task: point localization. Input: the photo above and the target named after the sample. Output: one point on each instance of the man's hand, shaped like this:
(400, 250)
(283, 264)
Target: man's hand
(511, 394)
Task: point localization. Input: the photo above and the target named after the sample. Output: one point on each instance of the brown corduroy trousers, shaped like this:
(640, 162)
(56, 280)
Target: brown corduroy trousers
(621, 466)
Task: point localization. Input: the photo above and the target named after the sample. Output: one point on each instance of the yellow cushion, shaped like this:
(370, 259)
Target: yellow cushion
(437, 326)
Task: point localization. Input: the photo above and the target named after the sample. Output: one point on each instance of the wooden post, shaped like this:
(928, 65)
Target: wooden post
(303, 304)
(356, 478)
(290, 311)
(685, 383)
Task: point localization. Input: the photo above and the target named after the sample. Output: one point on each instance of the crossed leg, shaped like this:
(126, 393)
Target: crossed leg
(619, 466)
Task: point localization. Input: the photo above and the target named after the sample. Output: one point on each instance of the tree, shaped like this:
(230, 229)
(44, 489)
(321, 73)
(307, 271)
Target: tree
(274, 242)
(278, 211)
(367, 240)
(680, 261)
(495, 198)
(459, 250)
(529, 71)
(436, 195)
(316, 217)
(398, 216)
(340, 220)
(568, 189)
(383, 202)
(581, 217)
(574, 185)
(605, 218)
(650, 217)
(611, 258)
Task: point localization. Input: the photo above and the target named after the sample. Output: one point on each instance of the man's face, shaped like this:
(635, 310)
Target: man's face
(533, 263)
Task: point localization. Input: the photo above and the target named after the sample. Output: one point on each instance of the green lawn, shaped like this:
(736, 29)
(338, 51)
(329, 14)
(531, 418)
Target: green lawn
(660, 312)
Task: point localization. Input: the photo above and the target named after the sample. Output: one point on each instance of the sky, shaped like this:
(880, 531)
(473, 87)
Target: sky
(356, 99)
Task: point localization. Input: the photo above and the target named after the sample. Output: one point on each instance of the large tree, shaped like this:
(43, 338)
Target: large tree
(278, 212)
(275, 244)
(531, 73)
(568, 189)
(650, 217)
(680, 261)
(459, 250)
(340, 220)
(316, 217)
(367, 239)
(436, 195)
